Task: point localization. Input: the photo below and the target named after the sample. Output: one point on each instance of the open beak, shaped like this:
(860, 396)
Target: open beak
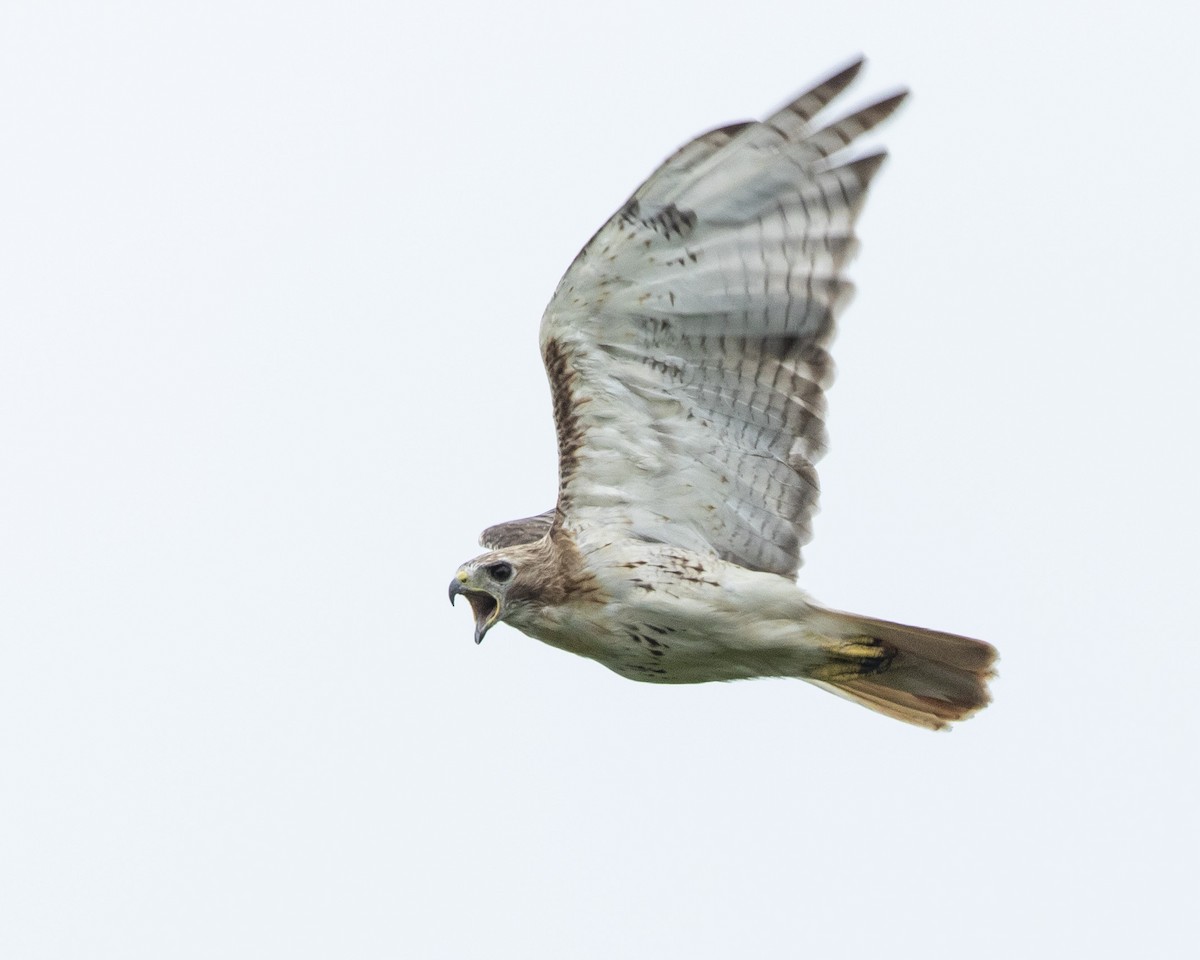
(485, 607)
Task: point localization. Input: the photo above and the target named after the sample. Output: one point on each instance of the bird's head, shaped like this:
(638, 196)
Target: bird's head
(486, 582)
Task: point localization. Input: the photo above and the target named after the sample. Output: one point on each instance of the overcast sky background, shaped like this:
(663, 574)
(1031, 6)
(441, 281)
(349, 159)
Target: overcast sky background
(270, 280)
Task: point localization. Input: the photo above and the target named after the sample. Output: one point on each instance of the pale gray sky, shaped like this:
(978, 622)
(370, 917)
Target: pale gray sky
(270, 279)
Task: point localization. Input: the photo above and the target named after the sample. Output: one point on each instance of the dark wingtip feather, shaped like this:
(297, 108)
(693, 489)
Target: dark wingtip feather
(865, 168)
(809, 104)
(880, 110)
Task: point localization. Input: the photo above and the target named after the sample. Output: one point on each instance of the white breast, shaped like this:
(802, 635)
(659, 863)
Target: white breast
(679, 617)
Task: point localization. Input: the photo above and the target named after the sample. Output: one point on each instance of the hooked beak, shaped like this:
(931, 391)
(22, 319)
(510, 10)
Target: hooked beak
(485, 607)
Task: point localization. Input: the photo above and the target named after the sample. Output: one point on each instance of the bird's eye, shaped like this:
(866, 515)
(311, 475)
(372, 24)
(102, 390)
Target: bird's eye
(501, 572)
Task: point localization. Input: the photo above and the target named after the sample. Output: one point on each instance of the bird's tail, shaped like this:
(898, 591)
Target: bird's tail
(924, 677)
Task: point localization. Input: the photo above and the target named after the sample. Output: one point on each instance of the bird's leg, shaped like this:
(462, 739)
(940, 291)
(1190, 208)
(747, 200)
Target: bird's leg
(851, 657)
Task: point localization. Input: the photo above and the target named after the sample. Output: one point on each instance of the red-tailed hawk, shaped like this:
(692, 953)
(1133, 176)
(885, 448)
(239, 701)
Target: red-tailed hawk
(686, 351)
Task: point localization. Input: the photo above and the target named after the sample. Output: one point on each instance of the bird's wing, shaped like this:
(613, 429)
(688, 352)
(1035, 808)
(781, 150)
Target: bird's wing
(515, 532)
(686, 345)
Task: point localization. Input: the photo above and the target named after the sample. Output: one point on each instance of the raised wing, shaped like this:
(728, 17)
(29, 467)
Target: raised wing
(515, 532)
(686, 345)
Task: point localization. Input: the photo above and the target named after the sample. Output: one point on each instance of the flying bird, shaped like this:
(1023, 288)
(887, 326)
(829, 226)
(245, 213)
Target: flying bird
(687, 352)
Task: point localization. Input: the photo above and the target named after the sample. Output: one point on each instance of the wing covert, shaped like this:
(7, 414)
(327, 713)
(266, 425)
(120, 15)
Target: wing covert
(515, 532)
